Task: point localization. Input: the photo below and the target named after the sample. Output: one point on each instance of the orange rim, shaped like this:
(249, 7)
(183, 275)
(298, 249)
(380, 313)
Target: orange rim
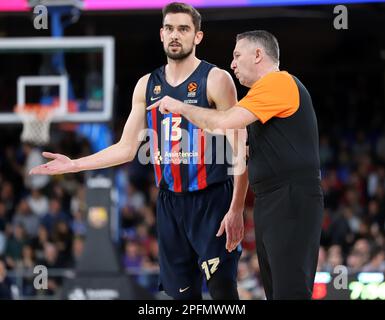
(40, 111)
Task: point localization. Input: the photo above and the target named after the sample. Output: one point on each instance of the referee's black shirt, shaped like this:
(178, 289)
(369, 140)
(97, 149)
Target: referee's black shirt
(284, 141)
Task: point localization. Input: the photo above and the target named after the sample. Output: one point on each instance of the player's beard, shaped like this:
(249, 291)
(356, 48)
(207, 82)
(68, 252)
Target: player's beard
(182, 54)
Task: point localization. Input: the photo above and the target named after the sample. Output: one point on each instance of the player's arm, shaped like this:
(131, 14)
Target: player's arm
(222, 91)
(122, 151)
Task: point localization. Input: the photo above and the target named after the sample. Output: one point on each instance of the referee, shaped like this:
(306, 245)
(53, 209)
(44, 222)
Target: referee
(284, 168)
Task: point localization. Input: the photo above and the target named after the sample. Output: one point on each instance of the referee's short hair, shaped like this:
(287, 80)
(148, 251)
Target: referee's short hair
(264, 38)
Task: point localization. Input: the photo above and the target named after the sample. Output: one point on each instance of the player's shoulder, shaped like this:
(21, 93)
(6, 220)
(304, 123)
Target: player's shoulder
(142, 82)
(144, 79)
(221, 88)
(219, 75)
(141, 87)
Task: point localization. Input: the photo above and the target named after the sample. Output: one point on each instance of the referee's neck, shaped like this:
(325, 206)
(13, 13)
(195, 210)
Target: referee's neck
(267, 70)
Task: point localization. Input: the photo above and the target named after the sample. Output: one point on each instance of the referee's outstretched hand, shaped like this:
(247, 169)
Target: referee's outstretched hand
(232, 224)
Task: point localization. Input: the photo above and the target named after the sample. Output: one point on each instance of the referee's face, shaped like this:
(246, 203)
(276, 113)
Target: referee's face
(244, 62)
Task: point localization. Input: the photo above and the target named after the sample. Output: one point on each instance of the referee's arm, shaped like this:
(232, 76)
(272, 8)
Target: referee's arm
(233, 118)
(274, 95)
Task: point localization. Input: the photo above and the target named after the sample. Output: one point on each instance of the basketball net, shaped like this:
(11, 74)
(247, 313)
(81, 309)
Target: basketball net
(36, 120)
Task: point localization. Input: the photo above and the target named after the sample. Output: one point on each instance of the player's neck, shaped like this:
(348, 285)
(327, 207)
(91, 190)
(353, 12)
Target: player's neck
(178, 71)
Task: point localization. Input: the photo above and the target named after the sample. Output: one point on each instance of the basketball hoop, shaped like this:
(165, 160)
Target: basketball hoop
(36, 120)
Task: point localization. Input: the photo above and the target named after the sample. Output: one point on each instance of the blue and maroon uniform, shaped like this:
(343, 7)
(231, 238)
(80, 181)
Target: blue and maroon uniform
(191, 171)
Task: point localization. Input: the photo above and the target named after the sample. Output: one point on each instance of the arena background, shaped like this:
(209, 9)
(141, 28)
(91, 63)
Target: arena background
(52, 225)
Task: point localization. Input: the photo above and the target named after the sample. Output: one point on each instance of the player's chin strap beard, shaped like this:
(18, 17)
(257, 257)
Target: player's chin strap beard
(179, 57)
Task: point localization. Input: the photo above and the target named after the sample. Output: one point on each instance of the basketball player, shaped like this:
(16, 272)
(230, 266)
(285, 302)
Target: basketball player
(199, 217)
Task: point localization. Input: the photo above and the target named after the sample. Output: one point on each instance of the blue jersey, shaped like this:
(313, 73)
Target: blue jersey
(185, 158)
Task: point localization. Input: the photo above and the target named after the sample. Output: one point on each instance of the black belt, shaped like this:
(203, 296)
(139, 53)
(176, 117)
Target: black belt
(311, 176)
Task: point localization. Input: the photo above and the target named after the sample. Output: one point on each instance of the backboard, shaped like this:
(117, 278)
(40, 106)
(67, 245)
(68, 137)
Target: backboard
(46, 70)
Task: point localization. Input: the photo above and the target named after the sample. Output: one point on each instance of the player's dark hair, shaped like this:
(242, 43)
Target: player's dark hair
(264, 38)
(180, 7)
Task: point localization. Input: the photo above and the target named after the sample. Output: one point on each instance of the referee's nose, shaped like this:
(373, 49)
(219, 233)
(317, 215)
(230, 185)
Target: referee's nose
(233, 65)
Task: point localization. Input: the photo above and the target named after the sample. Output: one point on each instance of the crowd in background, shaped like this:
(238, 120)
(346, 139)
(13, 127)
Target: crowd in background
(43, 219)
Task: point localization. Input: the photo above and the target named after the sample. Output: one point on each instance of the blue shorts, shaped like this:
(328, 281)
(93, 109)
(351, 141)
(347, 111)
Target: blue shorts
(188, 247)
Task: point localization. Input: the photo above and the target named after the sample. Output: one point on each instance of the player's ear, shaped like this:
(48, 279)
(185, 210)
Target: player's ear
(198, 37)
(161, 34)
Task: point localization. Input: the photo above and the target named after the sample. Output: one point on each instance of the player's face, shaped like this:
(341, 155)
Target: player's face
(179, 36)
(245, 61)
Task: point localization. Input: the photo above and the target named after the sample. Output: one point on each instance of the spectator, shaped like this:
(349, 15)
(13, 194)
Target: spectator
(377, 235)
(334, 258)
(62, 238)
(25, 217)
(40, 241)
(151, 267)
(54, 215)
(51, 261)
(332, 187)
(13, 250)
(325, 150)
(133, 257)
(359, 256)
(136, 198)
(38, 203)
(129, 218)
(377, 261)
(78, 224)
(26, 266)
(380, 148)
(78, 202)
(375, 179)
(33, 158)
(149, 219)
(5, 283)
(259, 292)
(7, 197)
(361, 147)
(373, 213)
(77, 251)
(340, 231)
(321, 266)
(3, 223)
(247, 282)
(248, 242)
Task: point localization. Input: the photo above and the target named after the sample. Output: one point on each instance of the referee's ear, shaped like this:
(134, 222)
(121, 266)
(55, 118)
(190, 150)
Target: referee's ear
(258, 55)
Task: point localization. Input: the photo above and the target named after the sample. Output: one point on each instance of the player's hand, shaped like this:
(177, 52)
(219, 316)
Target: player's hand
(168, 105)
(60, 164)
(232, 224)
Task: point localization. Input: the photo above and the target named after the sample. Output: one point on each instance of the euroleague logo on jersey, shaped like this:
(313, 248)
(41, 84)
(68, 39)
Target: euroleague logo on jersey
(192, 88)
